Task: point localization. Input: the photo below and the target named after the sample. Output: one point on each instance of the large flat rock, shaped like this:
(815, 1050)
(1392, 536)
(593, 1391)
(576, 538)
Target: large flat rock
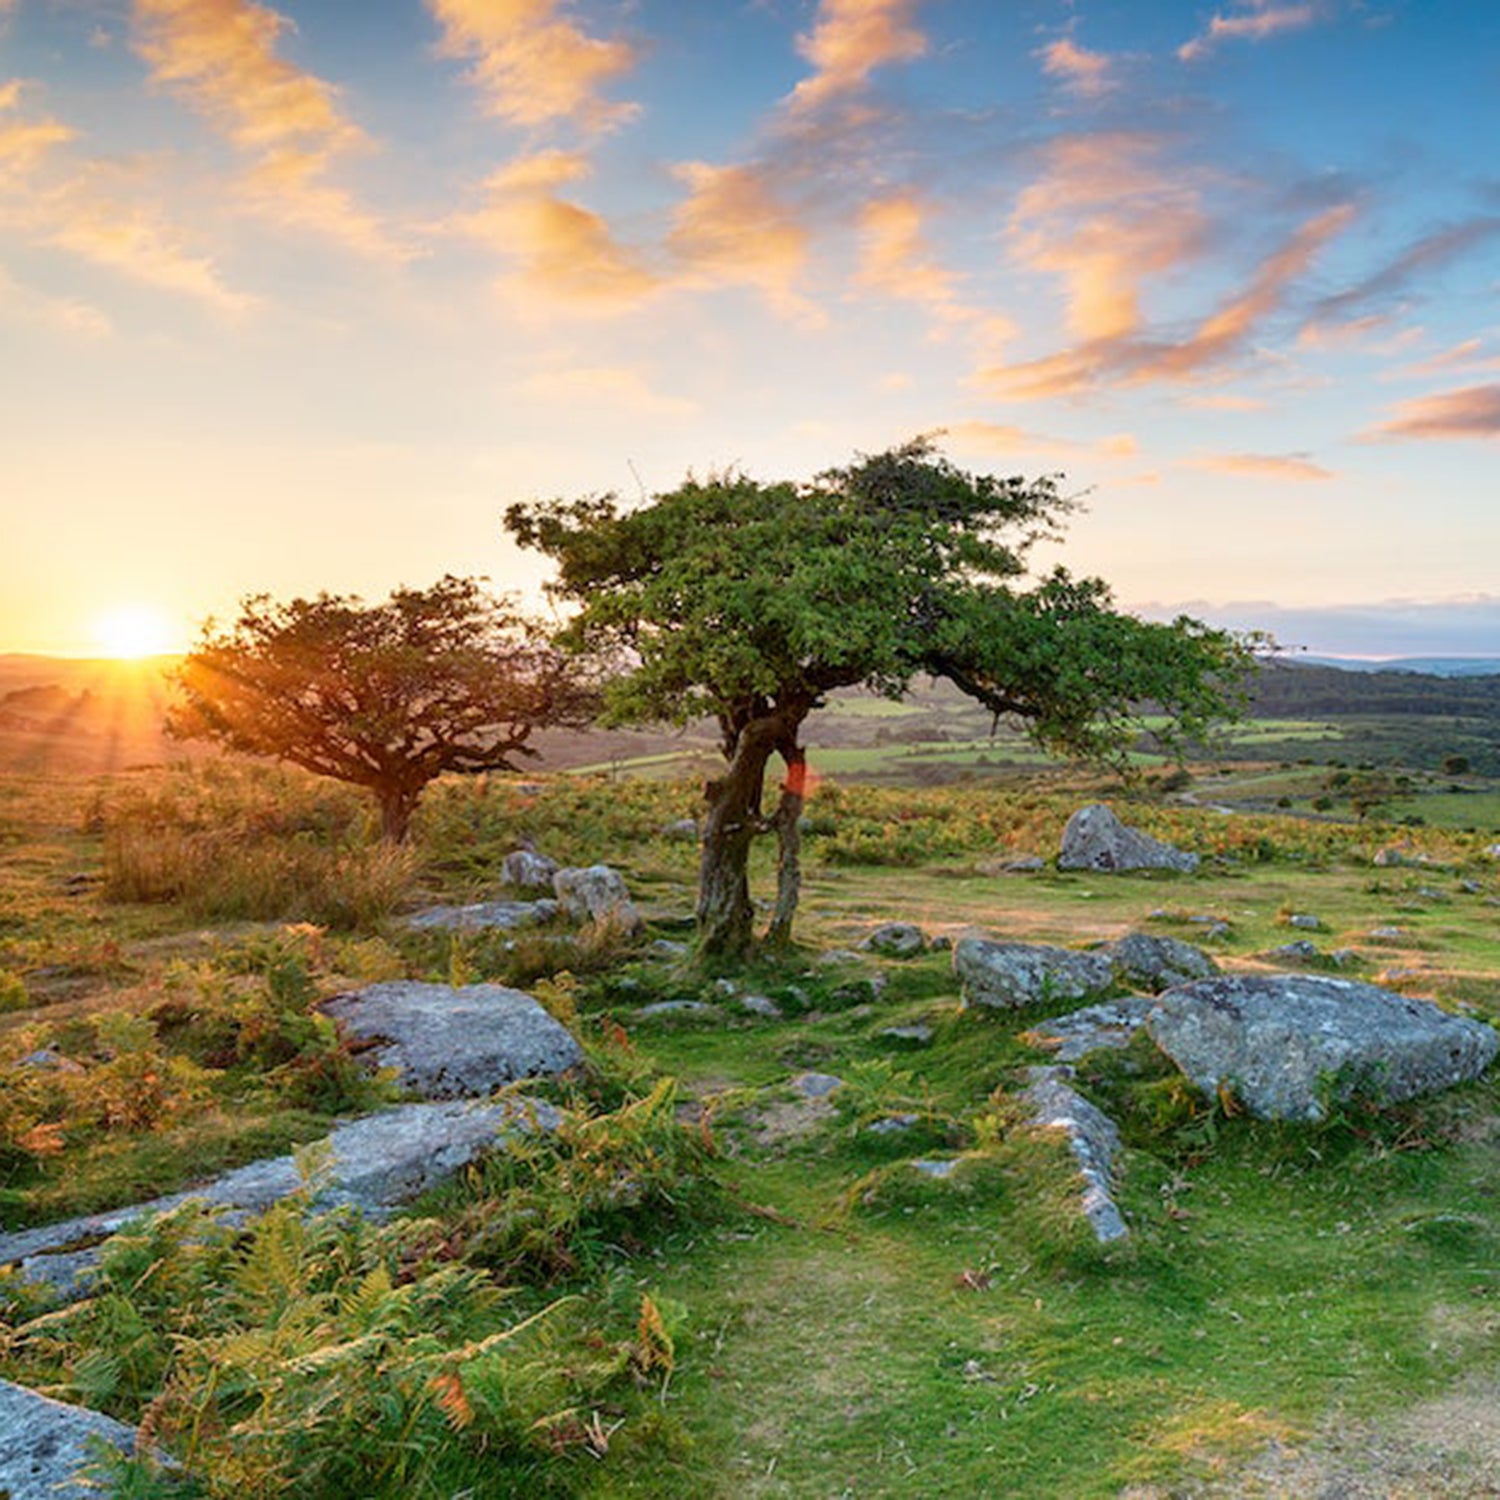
(372, 1164)
(447, 1043)
(1287, 1043)
(1009, 975)
(44, 1444)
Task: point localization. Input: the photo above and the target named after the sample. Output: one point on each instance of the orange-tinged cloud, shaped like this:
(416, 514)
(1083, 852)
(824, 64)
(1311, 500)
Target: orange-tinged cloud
(1264, 466)
(533, 66)
(287, 185)
(1087, 73)
(1253, 26)
(849, 40)
(1003, 438)
(1221, 401)
(896, 259)
(564, 254)
(1473, 412)
(1104, 215)
(732, 229)
(221, 56)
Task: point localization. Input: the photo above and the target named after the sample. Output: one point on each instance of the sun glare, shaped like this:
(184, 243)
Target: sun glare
(133, 631)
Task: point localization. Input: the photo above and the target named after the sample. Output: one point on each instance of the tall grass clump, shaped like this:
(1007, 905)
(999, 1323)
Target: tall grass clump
(228, 841)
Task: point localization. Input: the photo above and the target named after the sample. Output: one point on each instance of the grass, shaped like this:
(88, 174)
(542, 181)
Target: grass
(765, 1299)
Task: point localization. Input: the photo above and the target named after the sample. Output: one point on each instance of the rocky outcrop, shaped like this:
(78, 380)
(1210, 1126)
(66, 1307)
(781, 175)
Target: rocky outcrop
(596, 893)
(1009, 975)
(447, 1043)
(1145, 962)
(1095, 839)
(1111, 1023)
(1053, 1104)
(1288, 1044)
(371, 1164)
(45, 1445)
(526, 870)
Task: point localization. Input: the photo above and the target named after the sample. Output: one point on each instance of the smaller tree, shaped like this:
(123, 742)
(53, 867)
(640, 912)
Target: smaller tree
(384, 696)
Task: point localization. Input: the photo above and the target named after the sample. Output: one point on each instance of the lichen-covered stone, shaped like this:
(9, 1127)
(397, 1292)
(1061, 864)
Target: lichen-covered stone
(1008, 975)
(1053, 1104)
(596, 893)
(1095, 839)
(45, 1445)
(1286, 1043)
(1146, 962)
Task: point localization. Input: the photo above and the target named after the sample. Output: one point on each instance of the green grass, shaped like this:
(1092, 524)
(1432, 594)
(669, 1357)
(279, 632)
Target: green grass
(836, 1322)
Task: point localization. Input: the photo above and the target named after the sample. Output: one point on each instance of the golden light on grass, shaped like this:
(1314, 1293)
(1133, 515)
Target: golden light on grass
(135, 630)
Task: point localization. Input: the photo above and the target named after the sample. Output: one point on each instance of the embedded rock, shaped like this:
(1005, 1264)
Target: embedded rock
(1282, 1042)
(1153, 964)
(1093, 1139)
(896, 940)
(482, 915)
(1112, 1023)
(371, 1164)
(45, 1445)
(1095, 839)
(526, 870)
(1007, 975)
(596, 893)
(447, 1043)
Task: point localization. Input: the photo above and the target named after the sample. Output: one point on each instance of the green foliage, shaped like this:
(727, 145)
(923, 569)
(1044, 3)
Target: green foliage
(386, 696)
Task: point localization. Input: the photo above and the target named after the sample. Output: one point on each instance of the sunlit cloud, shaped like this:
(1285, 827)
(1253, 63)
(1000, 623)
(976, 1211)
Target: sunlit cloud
(1004, 439)
(562, 253)
(612, 388)
(1473, 412)
(1089, 74)
(220, 57)
(1293, 466)
(1255, 24)
(733, 229)
(850, 39)
(1470, 356)
(1223, 401)
(896, 259)
(532, 65)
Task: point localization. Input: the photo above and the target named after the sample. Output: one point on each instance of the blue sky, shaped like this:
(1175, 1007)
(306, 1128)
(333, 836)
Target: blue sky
(299, 297)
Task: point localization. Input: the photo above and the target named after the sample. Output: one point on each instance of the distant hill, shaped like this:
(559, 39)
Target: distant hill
(1434, 666)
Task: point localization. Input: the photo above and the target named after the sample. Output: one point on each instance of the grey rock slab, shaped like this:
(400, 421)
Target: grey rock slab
(447, 1043)
(1300, 952)
(816, 1085)
(1113, 1023)
(760, 1005)
(1305, 920)
(679, 1008)
(526, 870)
(371, 1164)
(1053, 1104)
(1008, 975)
(945, 1167)
(479, 916)
(1095, 839)
(896, 940)
(596, 893)
(1152, 963)
(45, 1445)
(1278, 1040)
(918, 1034)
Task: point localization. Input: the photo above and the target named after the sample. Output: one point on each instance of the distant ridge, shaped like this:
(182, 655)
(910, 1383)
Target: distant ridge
(1429, 666)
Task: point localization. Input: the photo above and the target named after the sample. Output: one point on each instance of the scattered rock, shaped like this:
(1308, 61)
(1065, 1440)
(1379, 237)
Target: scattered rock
(1305, 920)
(1394, 855)
(480, 915)
(596, 894)
(1157, 963)
(892, 1125)
(834, 957)
(1110, 1024)
(372, 1164)
(816, 1085)
(685, 829)
(1095, 839)
(1277, 1040)
(938, 1169)
(1387, 934)
(1300, 952)
(1006, 975)
(1470, 887)
(48, 1060)
(1344, 957)
(526, 870)
(1093, 1138)
(1024, 864)
(917, 1035)
(45, 1444)
(666, 948)
(447, 1043)
(760, 1005)
(896, 940)
(941, 943)
(679, 1008)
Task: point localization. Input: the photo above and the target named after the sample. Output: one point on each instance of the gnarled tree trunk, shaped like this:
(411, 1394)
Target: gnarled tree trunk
(788, 822)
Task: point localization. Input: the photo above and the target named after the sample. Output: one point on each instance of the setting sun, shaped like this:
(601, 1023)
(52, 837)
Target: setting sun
(134, 630)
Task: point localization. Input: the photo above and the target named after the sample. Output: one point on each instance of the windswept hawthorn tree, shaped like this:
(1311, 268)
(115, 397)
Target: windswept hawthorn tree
(385, 696)
(751, 602)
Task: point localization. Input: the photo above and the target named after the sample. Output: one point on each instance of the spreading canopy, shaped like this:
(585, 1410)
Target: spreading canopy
(751, 602)
(386, 696)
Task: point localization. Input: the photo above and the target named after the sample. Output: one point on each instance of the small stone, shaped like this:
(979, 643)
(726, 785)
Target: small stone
(892, 1125)
(597, 894)
(1299, 952)
(896, 940)
(1387, 934)
(760, 1005)
(679, 1008)
(816, 1085)
(1305, 920)
(684, 829)
(1025, 864)
(526, 870)
(916, 1035)
(939, 1169)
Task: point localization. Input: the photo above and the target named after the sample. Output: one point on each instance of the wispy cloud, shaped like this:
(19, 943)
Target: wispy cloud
(1473, 412)
(1469, 356)
(532, 64)
(562, 253)
(1223, 401)
(68, 315)
(1004, 439)
(734, 229)
(1090, 74)
(850, 39)
(1252, 22)
(220, 57)
(1294, 466)
(897, 260)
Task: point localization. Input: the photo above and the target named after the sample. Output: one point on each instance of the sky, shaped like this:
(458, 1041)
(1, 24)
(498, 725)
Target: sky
(299, 297)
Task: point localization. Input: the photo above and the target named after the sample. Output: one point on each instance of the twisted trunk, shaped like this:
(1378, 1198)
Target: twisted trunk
(788, 822)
